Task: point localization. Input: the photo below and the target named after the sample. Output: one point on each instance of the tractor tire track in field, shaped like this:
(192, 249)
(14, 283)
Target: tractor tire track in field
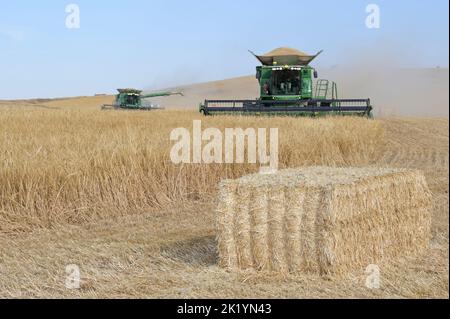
(423, 144)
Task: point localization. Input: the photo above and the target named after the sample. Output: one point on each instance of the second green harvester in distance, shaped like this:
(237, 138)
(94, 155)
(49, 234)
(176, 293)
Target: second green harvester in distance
(287, 87)
(132, 99)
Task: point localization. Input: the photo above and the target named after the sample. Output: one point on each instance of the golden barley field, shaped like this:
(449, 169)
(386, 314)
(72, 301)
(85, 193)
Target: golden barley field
(73, 165)
(98, 189)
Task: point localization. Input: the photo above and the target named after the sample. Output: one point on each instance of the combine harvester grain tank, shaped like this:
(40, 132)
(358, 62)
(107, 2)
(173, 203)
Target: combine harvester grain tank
(287, 88)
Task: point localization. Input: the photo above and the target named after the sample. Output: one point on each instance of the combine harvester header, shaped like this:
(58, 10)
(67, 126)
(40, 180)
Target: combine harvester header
(287, 88)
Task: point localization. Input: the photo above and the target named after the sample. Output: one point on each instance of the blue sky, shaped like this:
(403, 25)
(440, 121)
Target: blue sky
(160, 43)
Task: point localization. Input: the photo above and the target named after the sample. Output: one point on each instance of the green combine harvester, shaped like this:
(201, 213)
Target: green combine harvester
(287, 88)
(132, 99)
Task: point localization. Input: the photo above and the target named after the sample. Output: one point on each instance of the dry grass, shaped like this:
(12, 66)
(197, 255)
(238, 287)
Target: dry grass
(140, 250)
(322, 220)
(75, 165)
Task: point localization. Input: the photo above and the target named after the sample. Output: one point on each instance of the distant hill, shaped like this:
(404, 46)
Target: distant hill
(394, 92)
(236, 88)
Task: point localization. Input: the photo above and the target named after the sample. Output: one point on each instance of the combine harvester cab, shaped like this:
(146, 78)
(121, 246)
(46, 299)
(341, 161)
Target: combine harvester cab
(132, 99)
(287, 88)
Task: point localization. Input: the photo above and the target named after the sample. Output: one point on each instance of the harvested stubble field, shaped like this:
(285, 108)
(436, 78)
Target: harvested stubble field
(97, 189)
